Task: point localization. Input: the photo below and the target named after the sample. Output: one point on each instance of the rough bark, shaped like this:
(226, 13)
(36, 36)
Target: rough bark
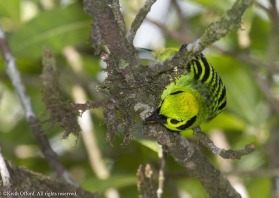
(130, 89)
(26, 183)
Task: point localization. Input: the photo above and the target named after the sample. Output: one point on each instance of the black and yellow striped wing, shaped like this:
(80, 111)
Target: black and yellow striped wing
(209, 84)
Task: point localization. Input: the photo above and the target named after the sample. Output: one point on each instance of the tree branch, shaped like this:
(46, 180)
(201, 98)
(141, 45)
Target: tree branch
(126, 97)
(141, 15)
(30, 115)
(229, 21)
(112, 34)
(226, 154)
(37, 185)
(185, 38)
(5, 174)
(190, 157)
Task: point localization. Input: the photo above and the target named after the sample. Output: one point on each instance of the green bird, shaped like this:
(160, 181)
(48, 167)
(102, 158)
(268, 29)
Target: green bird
(195, 97)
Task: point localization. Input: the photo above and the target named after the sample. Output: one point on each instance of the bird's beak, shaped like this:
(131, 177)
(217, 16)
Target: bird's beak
(155, 118)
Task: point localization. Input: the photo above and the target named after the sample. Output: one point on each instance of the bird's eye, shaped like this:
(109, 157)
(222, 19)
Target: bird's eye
(174, 121)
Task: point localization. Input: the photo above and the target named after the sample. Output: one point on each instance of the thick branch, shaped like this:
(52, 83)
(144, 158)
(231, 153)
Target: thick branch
(33, 184)
(125, 96)
(112, 34)
(189, 156)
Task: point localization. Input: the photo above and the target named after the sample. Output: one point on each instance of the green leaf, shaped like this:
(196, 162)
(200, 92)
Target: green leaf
(52, 29)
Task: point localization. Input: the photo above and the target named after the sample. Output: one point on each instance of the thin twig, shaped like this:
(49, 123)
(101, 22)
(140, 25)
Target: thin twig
(139, 19)
(174, 34)
(261, 6)
(273, 11)
(5, 175)
(161, 177)
(229, 21)
(183, 20)
(272, 56)
(30, 116)
(118, 15)
(226, 154)
(249, 59)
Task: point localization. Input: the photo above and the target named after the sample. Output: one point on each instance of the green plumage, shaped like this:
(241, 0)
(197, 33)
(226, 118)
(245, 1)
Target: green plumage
(193, 98)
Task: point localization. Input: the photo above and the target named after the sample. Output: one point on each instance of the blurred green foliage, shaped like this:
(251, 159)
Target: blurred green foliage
(65, 24)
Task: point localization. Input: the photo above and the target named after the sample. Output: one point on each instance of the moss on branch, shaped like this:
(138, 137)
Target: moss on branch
(128, 86)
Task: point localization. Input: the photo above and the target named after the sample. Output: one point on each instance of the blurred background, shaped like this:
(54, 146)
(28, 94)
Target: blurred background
(247, 60)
